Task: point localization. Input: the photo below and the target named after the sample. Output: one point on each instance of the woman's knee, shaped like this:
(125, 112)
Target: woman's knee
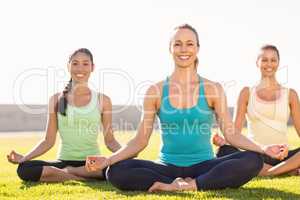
(296, 154)
(254, 161)
(26, 172)
(118, 175)
(226, 150)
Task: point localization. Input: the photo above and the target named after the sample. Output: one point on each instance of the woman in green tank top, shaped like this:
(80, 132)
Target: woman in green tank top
(76, 114)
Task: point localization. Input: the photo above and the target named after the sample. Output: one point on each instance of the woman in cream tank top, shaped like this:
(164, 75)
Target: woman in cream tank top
(267, 106)
(267, 120)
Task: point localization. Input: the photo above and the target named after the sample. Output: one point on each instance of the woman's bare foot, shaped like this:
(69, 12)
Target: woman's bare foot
(159, 186)
(81, 172)
(174, 186)
(265, 171)
(188, 179)
(68, 169)
(295, 172)
(218, 140)
(178, 184)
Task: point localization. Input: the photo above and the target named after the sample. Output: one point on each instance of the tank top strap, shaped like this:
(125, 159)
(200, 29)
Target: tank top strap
(202, 99)
(95, 97)
(201, 88)
(98, 100)
(165, 90)
(286, 94)
(252, 91)
(251, 97)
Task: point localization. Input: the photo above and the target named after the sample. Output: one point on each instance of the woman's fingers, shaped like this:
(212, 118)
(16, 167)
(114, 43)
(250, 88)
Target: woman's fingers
(10, 157)
(87, 164)
(286, 151)
(283, 151)
(13, 154)
(90, 164)
(94, 163)
(15, 158)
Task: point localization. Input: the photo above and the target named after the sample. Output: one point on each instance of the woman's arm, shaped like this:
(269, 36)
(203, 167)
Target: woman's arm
(295, 109)
(106, 116)
(45, 144)
(240, 113)
(135, 145)
(241, 110)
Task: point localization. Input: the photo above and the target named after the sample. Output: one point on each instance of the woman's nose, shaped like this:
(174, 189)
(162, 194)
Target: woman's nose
(183, 48)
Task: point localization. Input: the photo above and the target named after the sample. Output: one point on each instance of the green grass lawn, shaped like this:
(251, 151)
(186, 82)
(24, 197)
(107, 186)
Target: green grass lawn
(287, 187)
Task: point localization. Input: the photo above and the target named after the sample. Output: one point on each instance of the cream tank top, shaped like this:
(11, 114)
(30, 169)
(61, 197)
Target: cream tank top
(267, 120)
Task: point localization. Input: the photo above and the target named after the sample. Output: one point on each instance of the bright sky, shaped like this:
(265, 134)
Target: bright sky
(129, 40)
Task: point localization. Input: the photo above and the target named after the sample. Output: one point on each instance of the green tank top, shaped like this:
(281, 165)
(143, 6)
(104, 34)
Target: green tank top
(79, 131)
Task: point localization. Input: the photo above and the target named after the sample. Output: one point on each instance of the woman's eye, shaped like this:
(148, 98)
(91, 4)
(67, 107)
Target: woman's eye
(176, 44)
(190, 44)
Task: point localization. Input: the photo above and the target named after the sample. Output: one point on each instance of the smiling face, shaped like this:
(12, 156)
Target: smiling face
(80, 67)
(184, 48)
(268, 62)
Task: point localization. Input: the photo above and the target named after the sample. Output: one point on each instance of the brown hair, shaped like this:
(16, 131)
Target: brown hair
(269, 47)
(63, 102)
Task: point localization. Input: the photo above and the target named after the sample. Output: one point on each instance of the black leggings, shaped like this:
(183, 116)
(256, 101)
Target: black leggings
(228, 149)
(230, 171)
(32, 170)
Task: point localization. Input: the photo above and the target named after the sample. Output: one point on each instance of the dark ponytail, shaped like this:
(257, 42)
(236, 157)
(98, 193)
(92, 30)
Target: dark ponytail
(63, 101)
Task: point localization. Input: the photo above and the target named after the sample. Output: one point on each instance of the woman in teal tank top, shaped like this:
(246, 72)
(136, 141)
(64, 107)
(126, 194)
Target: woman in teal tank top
(76, 114)
(185, 104)
(188, 143)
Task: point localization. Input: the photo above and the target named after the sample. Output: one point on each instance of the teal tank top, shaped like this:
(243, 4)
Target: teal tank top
(79, 131)
(185, 132)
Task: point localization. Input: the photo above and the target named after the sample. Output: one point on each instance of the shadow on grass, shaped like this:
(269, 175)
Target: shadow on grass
(254, 193)
(241, 193)
(27, 184)
(93, 184)
(105, 186)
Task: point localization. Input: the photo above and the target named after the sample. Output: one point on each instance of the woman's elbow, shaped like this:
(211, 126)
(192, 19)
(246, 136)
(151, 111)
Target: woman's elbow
(110, 141)
(229, 138)
(142, 144)
(138, 143)
(49, 143)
